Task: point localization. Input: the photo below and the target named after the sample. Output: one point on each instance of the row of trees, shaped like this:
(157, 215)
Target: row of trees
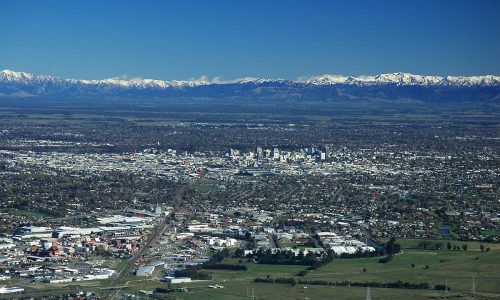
(215, 266)
(396, 284)
(449, 246)
(193, 272)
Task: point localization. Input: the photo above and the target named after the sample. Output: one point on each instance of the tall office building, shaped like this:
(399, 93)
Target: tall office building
(276, 153)
(259, 152)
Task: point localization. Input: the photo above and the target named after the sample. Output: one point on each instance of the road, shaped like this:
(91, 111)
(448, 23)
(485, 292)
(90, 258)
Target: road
(272, 242)
(115, 286)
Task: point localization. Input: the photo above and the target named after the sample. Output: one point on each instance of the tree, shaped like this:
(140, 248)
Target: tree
(481, 247)
(239, 252)
(220, 255)
(464, 246)
(413, 265)
(364, 270)
(393, 247)
(448, 246)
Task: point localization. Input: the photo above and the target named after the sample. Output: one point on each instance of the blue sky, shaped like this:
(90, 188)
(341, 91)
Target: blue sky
(232, 39)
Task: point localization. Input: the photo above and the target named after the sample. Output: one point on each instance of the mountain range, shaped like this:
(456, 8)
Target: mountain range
(393, 86)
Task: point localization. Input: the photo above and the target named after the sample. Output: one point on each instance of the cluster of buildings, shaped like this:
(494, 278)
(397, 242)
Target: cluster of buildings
(343, 244)
(67, 254)
(392, 183)
(304, 200)
(275, 154)
(149, 162)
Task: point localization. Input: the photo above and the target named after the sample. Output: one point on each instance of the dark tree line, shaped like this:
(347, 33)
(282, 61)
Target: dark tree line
(396, 284)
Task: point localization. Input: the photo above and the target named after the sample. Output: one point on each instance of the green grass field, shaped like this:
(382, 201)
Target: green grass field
(28, 213)
(283, 292)
(491, 233)
(204, 187)
(238, 290)
(454, 267)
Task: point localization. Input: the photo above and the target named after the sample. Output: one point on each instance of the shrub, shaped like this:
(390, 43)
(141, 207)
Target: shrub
(386, 259)
(441, 287)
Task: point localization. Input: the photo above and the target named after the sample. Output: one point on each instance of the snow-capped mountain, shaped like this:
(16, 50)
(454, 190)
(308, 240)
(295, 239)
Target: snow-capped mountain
(8, 76)
(403, 79)
(324, 87)
(251, 80)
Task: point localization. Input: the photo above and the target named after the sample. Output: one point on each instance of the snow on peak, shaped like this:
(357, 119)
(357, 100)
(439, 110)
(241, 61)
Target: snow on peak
(399, 79)
(141, 83)
(487, 80)
(9, 75)
(405, 79)
(13, 77)
(327, 79)
(255, 80)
